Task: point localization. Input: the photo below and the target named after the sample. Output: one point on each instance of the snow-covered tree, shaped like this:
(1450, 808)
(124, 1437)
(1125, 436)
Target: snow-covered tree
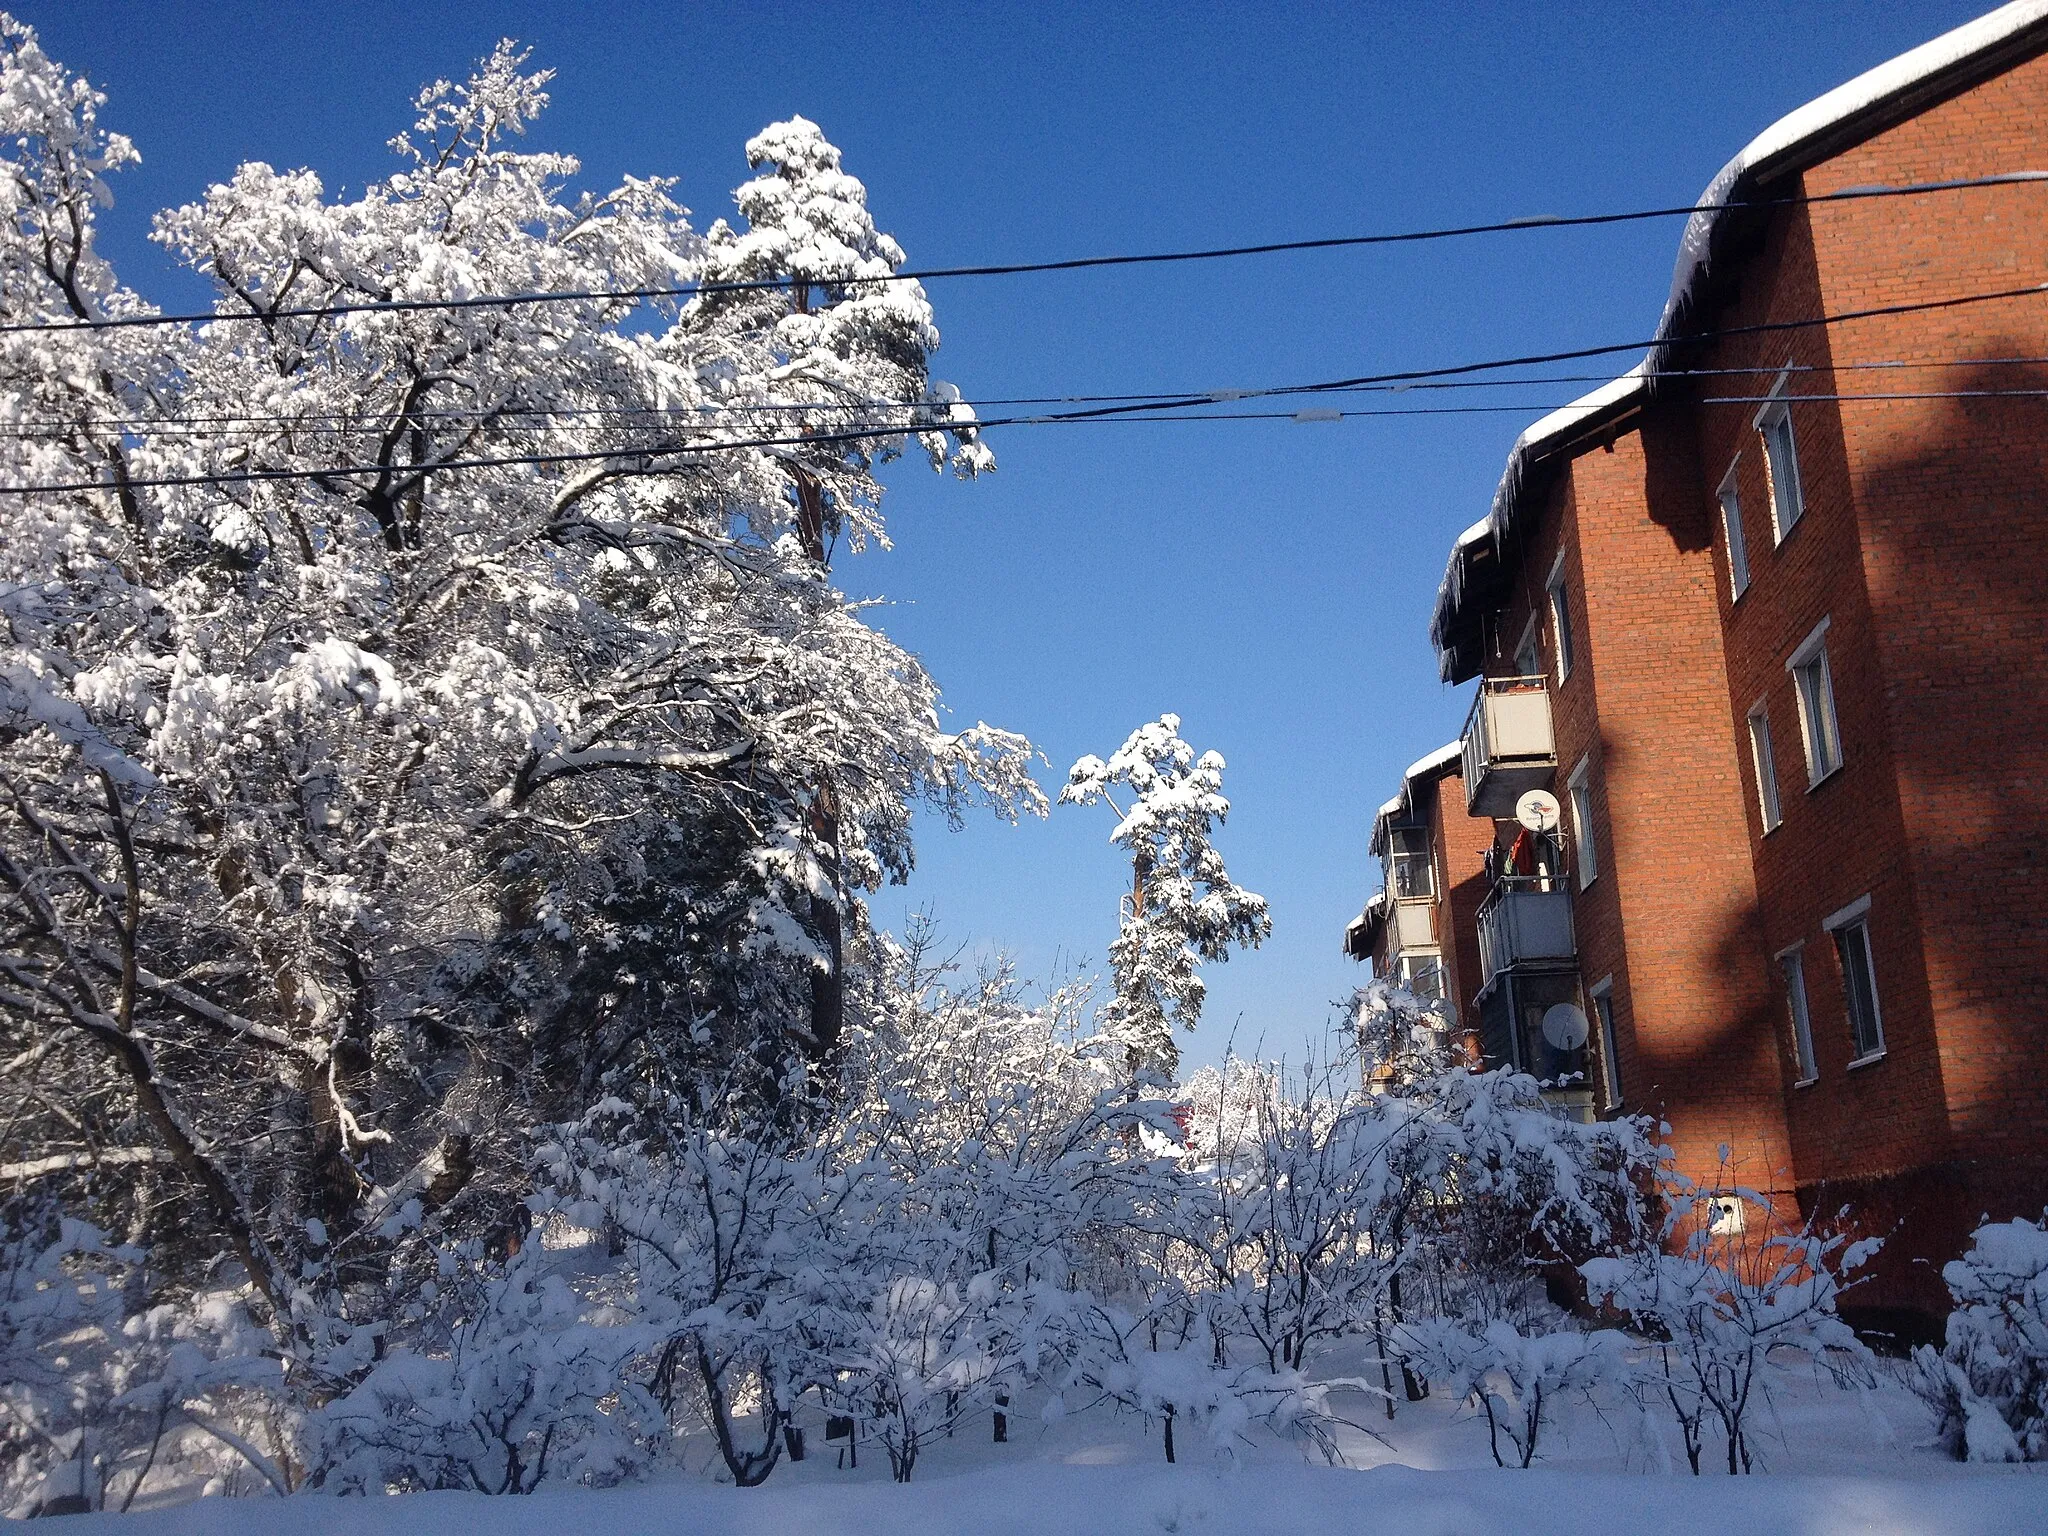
(433, 717)
(1724, 1294)
(1183, 908)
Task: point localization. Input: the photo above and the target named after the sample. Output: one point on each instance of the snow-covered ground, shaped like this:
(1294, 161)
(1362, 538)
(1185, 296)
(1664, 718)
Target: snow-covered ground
(1836, 1462)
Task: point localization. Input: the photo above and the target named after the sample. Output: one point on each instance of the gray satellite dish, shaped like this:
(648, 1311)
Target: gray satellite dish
(1538, 810)
(1564, 1027)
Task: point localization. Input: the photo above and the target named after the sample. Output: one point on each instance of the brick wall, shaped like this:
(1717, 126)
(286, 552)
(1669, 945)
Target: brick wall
(1670, 918)
(1922, 546)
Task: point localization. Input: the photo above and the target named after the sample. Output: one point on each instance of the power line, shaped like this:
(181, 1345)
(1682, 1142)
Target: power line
(1014, 269)
(508, 417)
(626, 456)
(1177, 406)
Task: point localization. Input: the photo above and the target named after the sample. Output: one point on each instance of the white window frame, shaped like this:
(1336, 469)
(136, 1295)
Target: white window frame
(1560, 618)
(1730, 497)
(1579, 791)
(1601, 995)
(1820, 724)
(1769, 806)
(1781, 459)
(1531, 644)
(1792, 970)
(1398, 860)
(1855, 918)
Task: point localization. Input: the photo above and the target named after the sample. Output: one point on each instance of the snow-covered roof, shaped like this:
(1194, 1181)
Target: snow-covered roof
(1805, 136)
(1424, 770)
(1808, 134)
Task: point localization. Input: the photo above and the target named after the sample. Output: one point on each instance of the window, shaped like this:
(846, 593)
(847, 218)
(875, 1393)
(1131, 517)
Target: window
(1410, 874)
(1766, 766)
(1528, 655)
(1851, 928)
(1423, 974)
(1610, 1057)
(1578, 787)
(1817, 722)
(1781, 459)
(1561, 618)
(1731, 525)
(1792, 963)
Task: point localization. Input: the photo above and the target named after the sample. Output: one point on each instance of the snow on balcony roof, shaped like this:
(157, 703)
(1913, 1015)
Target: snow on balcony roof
(1810, 130)
(1424, 770)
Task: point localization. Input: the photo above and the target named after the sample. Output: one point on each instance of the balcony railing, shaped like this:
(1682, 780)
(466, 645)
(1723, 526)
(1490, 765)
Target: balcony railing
(1414, 925)
(1525, 921)
(1508, 746)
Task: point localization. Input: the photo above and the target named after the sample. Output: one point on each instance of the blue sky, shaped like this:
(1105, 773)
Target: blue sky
(1269, 582)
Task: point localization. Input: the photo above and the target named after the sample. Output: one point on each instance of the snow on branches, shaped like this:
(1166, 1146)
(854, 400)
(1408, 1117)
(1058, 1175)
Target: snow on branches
(1184, 908)
(434, 715)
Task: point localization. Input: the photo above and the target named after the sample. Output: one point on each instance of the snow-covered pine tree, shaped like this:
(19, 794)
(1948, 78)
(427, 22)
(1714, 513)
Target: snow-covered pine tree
(1183, 908)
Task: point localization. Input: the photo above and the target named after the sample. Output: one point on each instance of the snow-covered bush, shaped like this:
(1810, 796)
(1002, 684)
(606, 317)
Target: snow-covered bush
(63, 1364)
(101, 1390)
(1515, 1379)
(508, 1379)
(1719, 1297)
(1988, 1385)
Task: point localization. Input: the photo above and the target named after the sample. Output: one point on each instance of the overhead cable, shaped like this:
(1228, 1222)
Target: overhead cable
(509, 417)
(1015, 269)
(1168, 407)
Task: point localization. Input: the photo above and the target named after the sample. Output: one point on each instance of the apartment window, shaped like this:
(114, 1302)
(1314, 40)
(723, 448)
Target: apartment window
(1731, 525)
(1410, 873)
(1851, 930)
(1529, 655)
(1781, 459)
(1610, 1057)
(1423, 974)
(1792, 964)
(1579, 788)
(1817, 720)
(1766, 766)
(1561, 618)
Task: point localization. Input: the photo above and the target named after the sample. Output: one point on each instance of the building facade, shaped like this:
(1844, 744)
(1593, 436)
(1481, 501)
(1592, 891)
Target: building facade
(1767, 617)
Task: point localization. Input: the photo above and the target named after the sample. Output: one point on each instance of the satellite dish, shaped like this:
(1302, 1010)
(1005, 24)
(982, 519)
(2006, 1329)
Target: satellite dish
(1538, 810)
(1564, 1027)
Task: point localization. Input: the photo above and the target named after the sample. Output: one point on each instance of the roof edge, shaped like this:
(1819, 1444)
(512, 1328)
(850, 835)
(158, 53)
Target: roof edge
(1808, 135)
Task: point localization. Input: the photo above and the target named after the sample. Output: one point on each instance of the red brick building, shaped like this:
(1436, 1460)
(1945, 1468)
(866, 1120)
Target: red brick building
(1768, 616)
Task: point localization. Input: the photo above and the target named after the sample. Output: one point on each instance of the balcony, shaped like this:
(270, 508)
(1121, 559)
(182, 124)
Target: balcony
(1526, 921)
(1509, 749)
(1414, 925)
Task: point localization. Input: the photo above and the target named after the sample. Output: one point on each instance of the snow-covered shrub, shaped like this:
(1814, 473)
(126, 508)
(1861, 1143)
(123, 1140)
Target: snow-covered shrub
(1515, 1379)
(715, 1225)
(1988, 1386)
(63, 1362)
(1720, 1298)
(507, 1380)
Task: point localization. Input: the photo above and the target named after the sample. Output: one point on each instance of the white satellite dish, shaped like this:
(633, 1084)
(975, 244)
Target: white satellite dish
(1538, 810)
(1564, 1027)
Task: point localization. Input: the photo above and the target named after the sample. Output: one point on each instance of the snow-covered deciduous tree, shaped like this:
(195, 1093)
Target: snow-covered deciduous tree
(428, 718)
(1724, 1297)
(1988, 1385)
(1183, 908)
(1516, 1379)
